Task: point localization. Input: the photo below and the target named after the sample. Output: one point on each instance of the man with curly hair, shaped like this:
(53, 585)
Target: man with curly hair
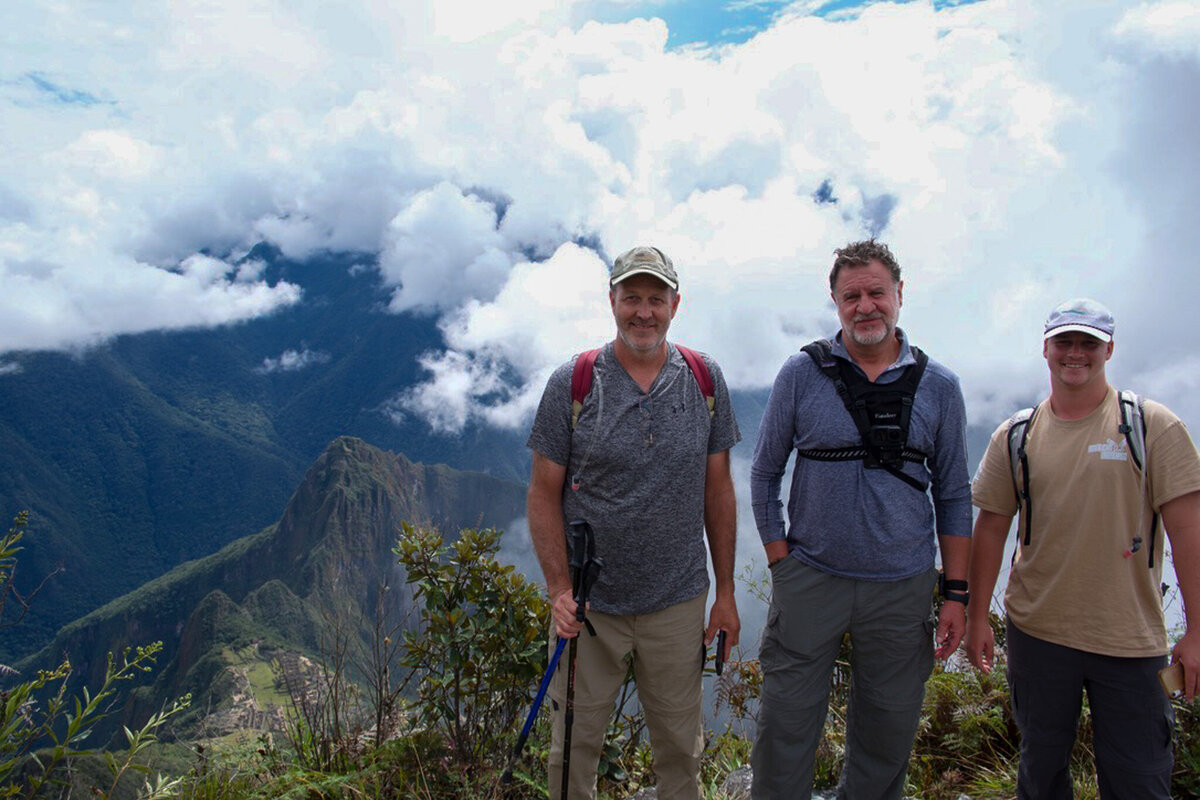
(879, 484)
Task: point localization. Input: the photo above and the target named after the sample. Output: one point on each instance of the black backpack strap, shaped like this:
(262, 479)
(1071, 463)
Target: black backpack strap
(856, 454)
(907, 384)
(1018, 434)
(841, 373)
(821, 353)
(1132, 423)
(917, 484)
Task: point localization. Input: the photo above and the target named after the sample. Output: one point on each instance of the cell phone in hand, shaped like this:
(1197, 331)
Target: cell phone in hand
(1171, 679)
(721, 652)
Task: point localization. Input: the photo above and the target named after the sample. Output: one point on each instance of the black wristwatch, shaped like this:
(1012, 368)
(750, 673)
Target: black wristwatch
(953, 590)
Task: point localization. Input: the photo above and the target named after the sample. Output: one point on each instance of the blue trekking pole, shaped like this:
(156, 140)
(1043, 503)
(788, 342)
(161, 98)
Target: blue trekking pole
(506, 778)
(586, 567)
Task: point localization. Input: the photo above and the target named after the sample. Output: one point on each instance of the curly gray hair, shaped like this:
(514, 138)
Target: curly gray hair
(859, 254)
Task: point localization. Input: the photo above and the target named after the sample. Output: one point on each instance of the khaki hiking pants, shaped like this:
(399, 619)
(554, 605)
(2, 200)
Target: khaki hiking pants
(666, 648)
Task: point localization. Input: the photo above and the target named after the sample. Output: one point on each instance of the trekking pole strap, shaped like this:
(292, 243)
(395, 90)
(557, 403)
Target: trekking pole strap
(587, 569)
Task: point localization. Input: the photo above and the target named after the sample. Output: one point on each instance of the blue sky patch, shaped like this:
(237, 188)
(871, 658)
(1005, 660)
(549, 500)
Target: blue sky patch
(837, 7)
(61, 94)
(722, 22)
(703, 22)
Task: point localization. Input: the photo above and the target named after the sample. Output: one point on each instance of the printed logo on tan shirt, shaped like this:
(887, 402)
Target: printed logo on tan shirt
(1110, 450)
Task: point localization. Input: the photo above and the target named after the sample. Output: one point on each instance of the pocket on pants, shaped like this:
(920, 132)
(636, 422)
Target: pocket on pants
(778, 576)
(926, 668)
(773, 634)
(1045, 715)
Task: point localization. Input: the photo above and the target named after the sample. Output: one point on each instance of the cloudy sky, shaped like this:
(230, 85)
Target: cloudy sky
(494, 155)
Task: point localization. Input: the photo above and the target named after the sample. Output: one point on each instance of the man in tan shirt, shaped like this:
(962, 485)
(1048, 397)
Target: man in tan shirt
(1084, 597)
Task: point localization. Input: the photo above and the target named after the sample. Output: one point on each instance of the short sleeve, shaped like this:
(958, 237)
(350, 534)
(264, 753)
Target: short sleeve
(724, 433)
(1174, 462)
(551, 432)
(992, 488)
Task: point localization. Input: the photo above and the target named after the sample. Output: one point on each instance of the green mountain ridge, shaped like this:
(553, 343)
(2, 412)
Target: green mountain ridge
(283, 592)
(153, 449)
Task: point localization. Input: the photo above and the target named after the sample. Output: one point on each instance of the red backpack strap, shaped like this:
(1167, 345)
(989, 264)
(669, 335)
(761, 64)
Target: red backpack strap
(581, 382)
(702, 375)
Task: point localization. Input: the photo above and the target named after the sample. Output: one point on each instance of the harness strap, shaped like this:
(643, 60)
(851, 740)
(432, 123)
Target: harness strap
(862, 454)
(843, 376)
(856, 454)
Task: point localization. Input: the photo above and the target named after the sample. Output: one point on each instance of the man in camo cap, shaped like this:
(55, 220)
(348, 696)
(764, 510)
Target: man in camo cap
(646, 464)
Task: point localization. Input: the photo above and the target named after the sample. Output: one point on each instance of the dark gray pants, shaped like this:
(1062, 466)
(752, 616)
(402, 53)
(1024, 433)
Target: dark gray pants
(1132, 719)
(891, 629)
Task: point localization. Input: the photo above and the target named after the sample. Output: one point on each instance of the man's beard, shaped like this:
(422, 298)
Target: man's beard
(871, 339)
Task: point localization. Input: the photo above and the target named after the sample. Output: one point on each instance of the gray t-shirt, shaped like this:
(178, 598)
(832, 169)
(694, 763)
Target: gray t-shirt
(635, 472)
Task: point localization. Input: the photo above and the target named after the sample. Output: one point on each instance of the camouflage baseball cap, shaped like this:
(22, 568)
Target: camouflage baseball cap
(644, 261)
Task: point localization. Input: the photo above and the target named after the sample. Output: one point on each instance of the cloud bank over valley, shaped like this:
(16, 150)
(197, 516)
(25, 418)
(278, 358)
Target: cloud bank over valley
(489, 163)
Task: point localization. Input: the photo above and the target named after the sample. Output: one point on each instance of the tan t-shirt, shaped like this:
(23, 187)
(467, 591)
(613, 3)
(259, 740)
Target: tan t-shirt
(1072, 584)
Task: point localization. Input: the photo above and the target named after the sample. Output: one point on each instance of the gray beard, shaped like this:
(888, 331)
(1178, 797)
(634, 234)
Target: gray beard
(873, 339)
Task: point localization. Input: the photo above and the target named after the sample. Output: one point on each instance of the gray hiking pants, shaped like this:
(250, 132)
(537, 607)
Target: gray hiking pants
(891, 631)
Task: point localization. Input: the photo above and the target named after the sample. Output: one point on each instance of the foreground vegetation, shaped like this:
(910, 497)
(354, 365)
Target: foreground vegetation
(432, 710)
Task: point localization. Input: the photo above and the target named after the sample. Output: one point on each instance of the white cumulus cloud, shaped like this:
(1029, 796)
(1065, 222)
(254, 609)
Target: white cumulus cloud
(1169, 28)
(547, 311)
(487, 164)
(292, 360)
(443, 249)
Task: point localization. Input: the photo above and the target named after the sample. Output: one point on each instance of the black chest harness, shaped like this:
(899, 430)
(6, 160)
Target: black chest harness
(881, 412)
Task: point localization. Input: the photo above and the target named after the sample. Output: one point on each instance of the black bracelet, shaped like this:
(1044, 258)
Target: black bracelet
(953, 590)
(961, 597)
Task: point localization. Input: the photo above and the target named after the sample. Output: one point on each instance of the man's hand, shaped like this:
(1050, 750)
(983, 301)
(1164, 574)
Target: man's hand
(1181, 518)
(1187, 650)
(952, 624)
(776, 550)
(723, 617)
(563, 608)
(980, 644)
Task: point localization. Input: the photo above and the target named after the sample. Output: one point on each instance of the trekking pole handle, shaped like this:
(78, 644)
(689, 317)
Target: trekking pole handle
(587, 567)
(588, 575)
(583, 547)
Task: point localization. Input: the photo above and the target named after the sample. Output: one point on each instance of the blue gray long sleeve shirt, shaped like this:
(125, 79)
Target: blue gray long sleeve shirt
(845, 519)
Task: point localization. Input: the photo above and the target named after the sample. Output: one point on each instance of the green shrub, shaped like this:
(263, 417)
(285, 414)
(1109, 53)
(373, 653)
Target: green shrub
(43, 728)
(481, 644)
(1185, 779)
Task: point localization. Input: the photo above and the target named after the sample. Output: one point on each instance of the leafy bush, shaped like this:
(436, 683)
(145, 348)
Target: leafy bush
(43, 728)
(966, 730)
(481, 644)
(1185, 780)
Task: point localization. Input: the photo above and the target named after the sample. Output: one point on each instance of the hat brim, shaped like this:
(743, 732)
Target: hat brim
(1090, 331)
(645, 271)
